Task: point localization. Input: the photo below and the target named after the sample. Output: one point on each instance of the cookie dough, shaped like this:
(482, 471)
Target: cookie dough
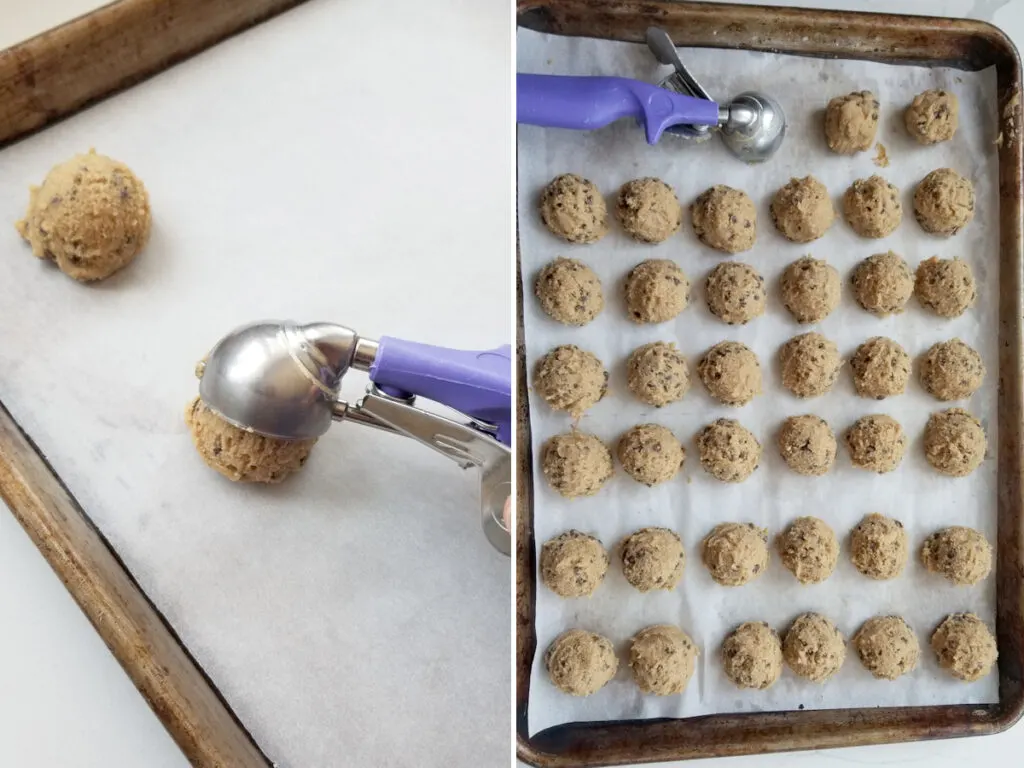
(725, 219)
(810, 289)
(728, 451)
(569, 291)
(954, 442)
(881, 368)
(802, 210)
(959, 554)
(964, 646)
(752, 656)
(882, 284)
(887, 647)
(876, 443)
(580, 663)
(810, 364)
(872, 207)
(945, 286)
(951, 370)
(90, 217)
(851, 122)
(878, 547)
(649, 210)
(944, 202)
(570, 379)
(735, 553)
(657, 373)
(735, 293)
(576, 464)
(814, 647)
(807, 444)
(241, 455)
(653, 558)
(809, 549)
(573, 209)
(662, 658)
(731, 373)
(656, 291)
(932, 116)
(650, 454)
(573, 564)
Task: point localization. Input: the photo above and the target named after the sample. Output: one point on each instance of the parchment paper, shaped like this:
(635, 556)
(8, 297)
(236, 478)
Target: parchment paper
(694, 502)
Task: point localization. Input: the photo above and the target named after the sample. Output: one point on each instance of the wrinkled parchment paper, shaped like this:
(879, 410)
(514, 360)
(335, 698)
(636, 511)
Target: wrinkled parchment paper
(693, 503)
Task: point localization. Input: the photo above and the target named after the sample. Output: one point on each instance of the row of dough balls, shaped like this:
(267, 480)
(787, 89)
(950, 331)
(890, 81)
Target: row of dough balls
(662, 657)
(725, 218)
(657, 290)
(851, 121)
(574, 564)
(573, 380)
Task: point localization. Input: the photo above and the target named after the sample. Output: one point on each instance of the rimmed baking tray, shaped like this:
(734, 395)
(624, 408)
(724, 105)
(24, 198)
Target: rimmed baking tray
(883, 38)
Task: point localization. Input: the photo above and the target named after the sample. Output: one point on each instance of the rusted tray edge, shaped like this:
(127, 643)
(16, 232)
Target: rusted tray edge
(967, 44)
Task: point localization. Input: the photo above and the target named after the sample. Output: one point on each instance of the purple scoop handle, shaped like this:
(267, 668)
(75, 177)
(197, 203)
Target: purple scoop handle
(585, 103)
(478, 384)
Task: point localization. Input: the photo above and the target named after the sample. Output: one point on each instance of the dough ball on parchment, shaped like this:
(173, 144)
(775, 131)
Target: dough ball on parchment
(728, 451)
(954, 442)
(810, 289)
(944, 202)
(573, 564)
(241, 455)
(851, 122)
(725, 219)
(752, 655)
(878, 547)
(662, 659)
(814, 647)
(735, 553)
(90, 217)
(649, 210)
(965, 647)
(876, 443)
(810, 364)
(573, 209)
(731, 373)
(653, 558)
(570, 379)
(945, 286)
(657, 373)
(735, 293)
(580, 663)
(569, 291)
(802, 210)
(951, 370)
(881, 368)
(959, 554)
(576, 464)
(882, 284)
(656, 291)
(887, 647)
(650, 454)
(932, 116)
(807, 444)
(872, 207)
(809, 549)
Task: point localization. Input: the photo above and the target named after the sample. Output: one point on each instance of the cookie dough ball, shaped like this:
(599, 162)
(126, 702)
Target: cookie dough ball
(735, 293)
(876, 443)
(959, 554)
(569, 291)
(725, 219)
(945, 286)
(809, 549)
(802, 210)
(851, 122)
(576, 464)
(735, 553)
(662, 659)
(944, 202)
(570, 379)
(573, 209)
(573, 564)
(810, 289)
(649, 210)
(810, 364)
(807, 444)
(657, 373)
(580, 663)
(814, 647)
(752, 656)
(881, 368)
(954, 442)
(932, 116)
(951, 370)
(878, 547)
(882, 284)
(241, 455)
(964, 646)
(872, 207)
(728, 451)
(887, 647)
(656, 291)
(650, 454)
(90, 217)
(653, 558)
(731, 373)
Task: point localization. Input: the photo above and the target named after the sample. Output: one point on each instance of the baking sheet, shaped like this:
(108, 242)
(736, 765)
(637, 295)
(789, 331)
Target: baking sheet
(355, 616)
(694, 503)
